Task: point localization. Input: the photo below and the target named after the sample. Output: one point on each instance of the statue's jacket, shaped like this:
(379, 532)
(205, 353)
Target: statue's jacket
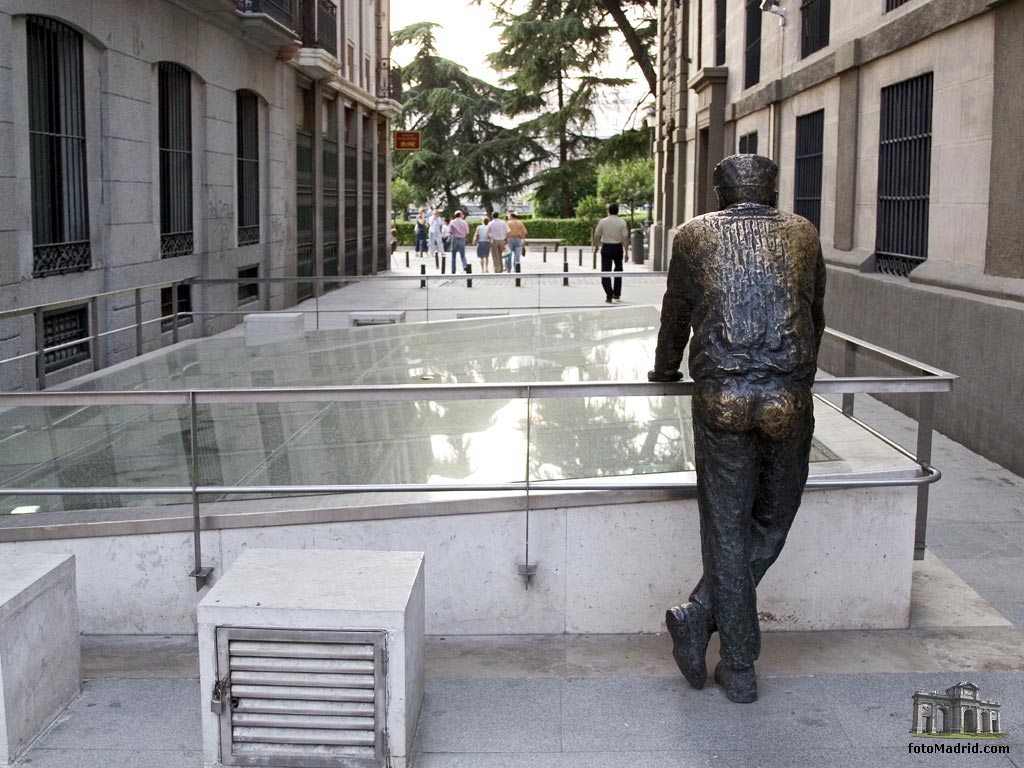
(750, 281)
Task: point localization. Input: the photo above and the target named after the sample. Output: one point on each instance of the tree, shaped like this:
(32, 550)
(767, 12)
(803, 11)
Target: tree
(551, 50)
(402, 196)
(464, 149)
(640, 37)
(626, 181)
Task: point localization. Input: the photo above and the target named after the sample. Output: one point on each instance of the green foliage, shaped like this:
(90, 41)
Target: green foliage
(629, 145)
(551, 48)
(571, 231)
(579, 177)
(626, 181)
(402, 196)
(465, 152)
(590, 209)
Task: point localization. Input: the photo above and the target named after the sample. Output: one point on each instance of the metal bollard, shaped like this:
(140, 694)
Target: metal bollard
(595, 261)
(423, 271)
(581, 257)
(444, 266)
(436, 265)
(519, 268)
(565, 268)
(469, 271)
(406, 259)
(545, 255)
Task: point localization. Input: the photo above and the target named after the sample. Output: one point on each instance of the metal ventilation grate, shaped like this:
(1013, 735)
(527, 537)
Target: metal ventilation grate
(301, 697)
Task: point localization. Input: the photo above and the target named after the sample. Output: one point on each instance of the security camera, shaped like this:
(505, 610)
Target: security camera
(769, 6)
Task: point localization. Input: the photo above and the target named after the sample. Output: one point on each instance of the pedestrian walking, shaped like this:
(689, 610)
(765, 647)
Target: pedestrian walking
(421, 232)
(612, 234)
(459, 231)
(436, 244)
(497, 233)
(516, 236)
(483, 245)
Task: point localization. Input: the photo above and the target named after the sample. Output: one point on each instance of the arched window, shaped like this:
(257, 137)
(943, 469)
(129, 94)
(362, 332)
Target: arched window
(56, 125)
(175, 140)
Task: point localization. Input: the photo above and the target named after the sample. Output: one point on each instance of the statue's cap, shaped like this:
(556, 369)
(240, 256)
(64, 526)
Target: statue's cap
(745, 171)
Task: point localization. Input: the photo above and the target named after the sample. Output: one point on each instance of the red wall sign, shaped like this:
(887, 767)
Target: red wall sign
(409, 140)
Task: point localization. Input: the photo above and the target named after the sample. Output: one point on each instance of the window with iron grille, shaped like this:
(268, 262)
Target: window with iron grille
(247, 118)
(810, 137)
(892, 5)
(720, 32)
(904, 175)
(814, 17)
(752, 50)
(175, 141)
(748, 143)
(248, 292)
(167, 307)
(62, 327)
(56, 127)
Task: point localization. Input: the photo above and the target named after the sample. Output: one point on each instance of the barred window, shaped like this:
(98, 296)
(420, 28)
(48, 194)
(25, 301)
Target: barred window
(719, 32)
(748, 143)
(56, 125)
(63, 327)
(175, 141)
(248, 291)
(167, 307)
(247, 119)
(752, 55)
(904, 175)
(892, 5)
(810, 136)
(814, 18)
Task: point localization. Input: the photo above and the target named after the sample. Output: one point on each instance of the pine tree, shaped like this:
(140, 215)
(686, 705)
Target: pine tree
(465, 152)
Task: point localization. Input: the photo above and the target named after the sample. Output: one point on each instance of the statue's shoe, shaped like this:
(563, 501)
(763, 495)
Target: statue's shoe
(689, 626)
(740, 685)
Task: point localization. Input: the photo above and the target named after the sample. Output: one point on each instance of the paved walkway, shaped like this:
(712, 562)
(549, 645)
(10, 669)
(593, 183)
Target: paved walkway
(832, 699)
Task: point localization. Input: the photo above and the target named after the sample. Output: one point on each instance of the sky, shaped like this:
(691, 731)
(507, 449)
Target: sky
(466, 37)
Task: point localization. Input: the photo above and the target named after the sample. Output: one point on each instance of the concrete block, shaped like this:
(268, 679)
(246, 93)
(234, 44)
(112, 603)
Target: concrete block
(129, 118)
(332, 590)
(39, 651)
(129, 160)
(131, 77)
(130, 202)
(359, 319)
(271, 327)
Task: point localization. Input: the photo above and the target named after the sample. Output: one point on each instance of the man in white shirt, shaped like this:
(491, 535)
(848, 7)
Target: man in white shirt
(497, 233)
(612, 235)
(435, 225)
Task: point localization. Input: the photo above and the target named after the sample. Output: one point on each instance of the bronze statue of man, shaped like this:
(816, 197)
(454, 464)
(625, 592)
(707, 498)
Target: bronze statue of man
(749, 281)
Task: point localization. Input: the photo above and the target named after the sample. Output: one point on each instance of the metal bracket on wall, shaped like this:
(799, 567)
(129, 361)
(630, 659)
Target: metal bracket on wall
(526, 572)
(770, 6)
(202, 575)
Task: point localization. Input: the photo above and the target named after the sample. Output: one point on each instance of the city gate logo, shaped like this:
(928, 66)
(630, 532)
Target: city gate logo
(959, 713)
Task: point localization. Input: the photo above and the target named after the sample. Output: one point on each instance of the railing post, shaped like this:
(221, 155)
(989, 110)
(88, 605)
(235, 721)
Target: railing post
(469, 271)
(201, 574)
(174, 312)
(849, 369)
(138, 322)
(519, 269)
(423, 271)
(925, 426)
(316, 304)
(94, 332)
(40, 349)
(565, 265)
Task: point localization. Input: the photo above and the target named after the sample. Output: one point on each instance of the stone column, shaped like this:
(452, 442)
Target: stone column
(1004, 256)
(846, 153)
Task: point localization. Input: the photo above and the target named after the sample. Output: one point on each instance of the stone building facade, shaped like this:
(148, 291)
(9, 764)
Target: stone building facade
(960, 710)
(155, 142)
(894, 124)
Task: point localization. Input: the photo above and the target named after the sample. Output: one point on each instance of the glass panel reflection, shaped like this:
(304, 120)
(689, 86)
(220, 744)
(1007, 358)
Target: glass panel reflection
(364, 443)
